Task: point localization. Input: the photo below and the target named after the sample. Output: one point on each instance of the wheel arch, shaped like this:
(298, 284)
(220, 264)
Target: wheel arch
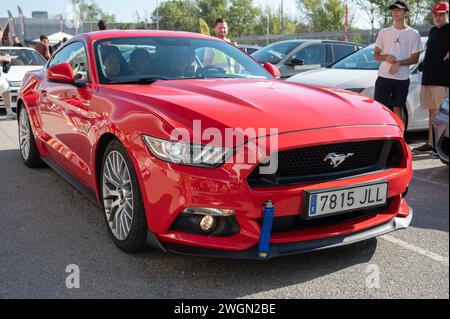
(102, 143)
(100, 149)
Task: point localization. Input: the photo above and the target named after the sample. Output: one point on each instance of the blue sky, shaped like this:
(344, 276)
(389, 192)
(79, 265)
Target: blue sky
(117, 7)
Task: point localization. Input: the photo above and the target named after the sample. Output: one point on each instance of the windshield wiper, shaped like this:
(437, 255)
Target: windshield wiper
(148, 80)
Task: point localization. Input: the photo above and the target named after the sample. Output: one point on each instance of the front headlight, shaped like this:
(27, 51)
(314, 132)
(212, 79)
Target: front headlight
(444, 106)
(187, 154)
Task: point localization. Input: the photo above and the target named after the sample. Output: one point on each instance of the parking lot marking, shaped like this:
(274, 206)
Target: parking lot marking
(416, 249)
(430, 181)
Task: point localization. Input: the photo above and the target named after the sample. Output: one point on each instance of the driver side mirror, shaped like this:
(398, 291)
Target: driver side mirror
(296, 62)
(62, 73)
(6, 66)
(272, 69)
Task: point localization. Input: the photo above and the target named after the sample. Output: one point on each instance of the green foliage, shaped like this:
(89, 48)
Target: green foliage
(324, 15)
(90, 11)
(275, 23)
(210, 10)
(180, 15)
(243, 17)
(419, 10)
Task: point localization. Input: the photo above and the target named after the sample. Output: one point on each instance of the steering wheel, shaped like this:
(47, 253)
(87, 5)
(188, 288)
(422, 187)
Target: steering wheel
(211, 69)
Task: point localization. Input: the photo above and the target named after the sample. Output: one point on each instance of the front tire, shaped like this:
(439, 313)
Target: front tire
(28, 148)
(122, 200)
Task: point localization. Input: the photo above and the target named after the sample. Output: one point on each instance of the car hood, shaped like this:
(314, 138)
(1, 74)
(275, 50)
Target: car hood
(253, 104)
(338, 78)
(17, 72)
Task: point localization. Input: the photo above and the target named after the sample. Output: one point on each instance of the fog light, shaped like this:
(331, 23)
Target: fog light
(208, 211)
(207, 223)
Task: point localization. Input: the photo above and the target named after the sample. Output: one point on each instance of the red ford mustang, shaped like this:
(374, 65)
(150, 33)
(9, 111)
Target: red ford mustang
(190, 146)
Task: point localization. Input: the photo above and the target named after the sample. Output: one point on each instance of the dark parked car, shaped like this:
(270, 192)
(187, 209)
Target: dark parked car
(249, 49)
(296, 56)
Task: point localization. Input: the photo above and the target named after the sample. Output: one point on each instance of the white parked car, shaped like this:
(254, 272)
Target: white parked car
(22, 61)
(358, 72)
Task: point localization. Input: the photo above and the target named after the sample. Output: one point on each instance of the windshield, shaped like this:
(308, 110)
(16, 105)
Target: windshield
(275, 52)
(147, 59)
(23, 57)
(360, 60)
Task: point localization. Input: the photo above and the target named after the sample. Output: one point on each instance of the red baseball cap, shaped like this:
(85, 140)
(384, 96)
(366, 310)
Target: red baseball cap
(440, 7)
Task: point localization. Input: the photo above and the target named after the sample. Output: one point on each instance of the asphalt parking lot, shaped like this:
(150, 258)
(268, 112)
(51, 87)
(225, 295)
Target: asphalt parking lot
(47, 225)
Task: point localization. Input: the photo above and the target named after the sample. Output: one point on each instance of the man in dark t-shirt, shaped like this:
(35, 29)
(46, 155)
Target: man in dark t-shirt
(43, 47)
(435, 78)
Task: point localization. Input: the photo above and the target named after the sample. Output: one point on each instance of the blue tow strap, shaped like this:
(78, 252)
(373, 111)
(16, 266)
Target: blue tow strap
(266, 230)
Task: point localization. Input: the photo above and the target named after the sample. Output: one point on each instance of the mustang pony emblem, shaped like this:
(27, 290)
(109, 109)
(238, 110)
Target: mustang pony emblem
(337, 159)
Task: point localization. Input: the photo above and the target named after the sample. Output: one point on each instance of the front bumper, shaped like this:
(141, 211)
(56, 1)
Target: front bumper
(441, 136)
(13, 95)
(168, 189)
(278, 250)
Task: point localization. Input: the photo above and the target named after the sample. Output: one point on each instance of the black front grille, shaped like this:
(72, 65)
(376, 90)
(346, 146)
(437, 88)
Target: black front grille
(292, 223)
(309, 165)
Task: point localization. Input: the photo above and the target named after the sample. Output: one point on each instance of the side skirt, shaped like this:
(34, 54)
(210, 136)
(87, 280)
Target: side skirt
(71, 179)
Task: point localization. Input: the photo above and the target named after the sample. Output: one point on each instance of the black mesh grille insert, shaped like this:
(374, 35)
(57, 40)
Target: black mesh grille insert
(310, 164)
(291, 223)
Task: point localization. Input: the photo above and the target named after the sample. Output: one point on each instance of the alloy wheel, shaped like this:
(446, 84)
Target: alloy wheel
(24, 134)
(117, 195)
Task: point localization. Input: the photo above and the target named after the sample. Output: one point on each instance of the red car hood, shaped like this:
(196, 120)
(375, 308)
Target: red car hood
(253, 104)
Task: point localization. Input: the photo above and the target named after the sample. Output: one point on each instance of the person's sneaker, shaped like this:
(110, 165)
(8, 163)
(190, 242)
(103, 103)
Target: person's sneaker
(11, 116)
(423, 148)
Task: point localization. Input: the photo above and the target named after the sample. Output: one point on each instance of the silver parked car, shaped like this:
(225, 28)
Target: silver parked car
(440, 131)
(358, 72)
(296, 56)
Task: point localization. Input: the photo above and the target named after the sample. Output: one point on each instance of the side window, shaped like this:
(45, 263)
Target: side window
(313, 54)
(75, 55)
(341, 51)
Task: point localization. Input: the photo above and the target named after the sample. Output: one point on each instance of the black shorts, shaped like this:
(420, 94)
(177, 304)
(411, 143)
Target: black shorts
(391, 92)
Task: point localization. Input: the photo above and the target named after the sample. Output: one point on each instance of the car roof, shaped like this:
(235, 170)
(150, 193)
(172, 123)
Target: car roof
(250, 46)
(111, 34)
(17, 48)
(301, 41)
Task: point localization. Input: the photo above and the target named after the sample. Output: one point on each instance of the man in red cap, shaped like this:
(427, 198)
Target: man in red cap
(435, 79)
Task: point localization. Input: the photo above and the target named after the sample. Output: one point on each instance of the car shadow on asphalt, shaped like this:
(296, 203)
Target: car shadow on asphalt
(199, 277)
(232, 278)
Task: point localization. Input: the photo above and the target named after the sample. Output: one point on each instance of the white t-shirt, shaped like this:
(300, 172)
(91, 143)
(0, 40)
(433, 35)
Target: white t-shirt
(401, 44)
(4, 84)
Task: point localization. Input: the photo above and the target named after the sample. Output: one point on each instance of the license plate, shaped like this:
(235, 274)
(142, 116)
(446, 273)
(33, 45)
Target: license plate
(343, 200)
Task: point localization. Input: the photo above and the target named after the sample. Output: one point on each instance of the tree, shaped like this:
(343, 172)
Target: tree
(326, 15)
(178, 15)
(243, 17)
(274, 23)
(90, 11)
(419, 11)
(378, 10)
(210, 10)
